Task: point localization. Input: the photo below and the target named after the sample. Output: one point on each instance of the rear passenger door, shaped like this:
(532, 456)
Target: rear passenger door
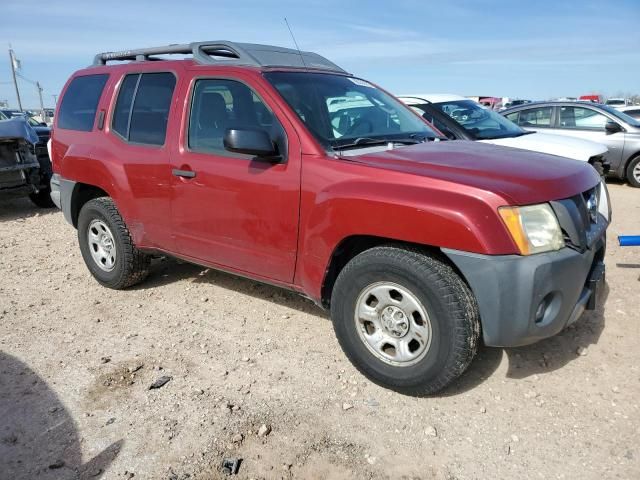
(138, 144)
(235, 210)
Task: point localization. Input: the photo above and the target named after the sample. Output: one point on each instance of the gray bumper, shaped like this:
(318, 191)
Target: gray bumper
(510, 289)
(61, 192)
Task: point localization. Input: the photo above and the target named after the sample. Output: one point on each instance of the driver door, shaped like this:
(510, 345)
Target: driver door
(229, 209)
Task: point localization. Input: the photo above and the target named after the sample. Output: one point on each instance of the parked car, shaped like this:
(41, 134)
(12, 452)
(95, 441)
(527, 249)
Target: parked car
(592, 97)
(513, 103)
(632, 111)
(41, 129)
(231, 157)
(462, 119)
(21, 172)
(617, 102)
(599, 123)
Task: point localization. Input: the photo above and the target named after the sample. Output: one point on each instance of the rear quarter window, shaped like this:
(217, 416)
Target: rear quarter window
(78, 107)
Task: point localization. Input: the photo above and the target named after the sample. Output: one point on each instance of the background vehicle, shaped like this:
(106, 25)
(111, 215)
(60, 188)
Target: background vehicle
(279, 165)
(632, 111)
(42, 130)
(21, 172)
(462, 119)
(599, 123)
(592, 97)
(617, 102)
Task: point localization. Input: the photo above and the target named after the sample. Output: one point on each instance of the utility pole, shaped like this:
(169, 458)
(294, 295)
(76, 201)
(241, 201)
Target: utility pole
(13, 61)
(55, 99)
(42, 115)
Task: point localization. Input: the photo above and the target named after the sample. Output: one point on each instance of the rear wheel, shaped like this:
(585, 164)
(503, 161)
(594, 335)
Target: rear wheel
(107, 247)
(405, 319)
(633, 172)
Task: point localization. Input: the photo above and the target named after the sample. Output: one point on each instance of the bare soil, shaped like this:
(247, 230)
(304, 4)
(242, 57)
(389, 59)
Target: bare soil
(77, 361)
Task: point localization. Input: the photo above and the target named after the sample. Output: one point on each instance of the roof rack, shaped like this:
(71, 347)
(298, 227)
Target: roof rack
(222, 52)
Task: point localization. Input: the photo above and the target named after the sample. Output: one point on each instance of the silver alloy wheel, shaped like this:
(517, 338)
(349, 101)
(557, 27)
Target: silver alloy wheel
(102, 246)
(393, 324)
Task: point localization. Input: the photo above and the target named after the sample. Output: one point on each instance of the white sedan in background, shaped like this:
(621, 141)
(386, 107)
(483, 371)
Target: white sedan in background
(460, 118)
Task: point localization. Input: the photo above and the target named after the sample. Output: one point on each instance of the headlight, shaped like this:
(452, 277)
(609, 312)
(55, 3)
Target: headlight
(534, 228)
(604, 206)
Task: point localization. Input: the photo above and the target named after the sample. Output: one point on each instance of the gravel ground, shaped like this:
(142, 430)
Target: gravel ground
(77, 362)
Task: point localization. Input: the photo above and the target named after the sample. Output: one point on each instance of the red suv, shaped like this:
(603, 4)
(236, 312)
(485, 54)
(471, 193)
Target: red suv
(278, 165)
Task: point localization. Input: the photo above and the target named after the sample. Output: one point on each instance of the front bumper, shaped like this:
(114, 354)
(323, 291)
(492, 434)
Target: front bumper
(523, 299)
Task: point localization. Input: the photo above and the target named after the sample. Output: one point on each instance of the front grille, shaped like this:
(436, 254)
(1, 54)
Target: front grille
(579, 219)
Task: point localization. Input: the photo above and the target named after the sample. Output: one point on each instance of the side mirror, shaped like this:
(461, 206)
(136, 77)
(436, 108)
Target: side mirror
(250, 141)
(612, 127)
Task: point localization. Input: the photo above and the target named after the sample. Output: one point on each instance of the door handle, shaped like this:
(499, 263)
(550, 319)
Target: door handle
(183, 173)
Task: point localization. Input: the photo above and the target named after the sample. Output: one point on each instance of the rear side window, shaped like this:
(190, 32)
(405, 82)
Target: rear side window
(142, 109)
(78, 107)
(535, 117)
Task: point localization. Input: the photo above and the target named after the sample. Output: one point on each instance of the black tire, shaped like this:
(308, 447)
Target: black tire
(450, 305)
(631, 178)
(131, 265)
(42, 199)
(599, 167)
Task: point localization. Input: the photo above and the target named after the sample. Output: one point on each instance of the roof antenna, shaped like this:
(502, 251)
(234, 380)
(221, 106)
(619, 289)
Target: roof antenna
(296, 44)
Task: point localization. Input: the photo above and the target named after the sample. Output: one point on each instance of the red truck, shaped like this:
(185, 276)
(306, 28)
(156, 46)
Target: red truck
(278, 165)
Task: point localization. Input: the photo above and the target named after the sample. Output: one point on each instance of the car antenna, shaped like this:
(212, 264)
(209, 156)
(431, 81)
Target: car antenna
(296, 44)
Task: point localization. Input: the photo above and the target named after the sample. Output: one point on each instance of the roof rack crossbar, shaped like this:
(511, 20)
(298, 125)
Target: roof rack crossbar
(222, 52)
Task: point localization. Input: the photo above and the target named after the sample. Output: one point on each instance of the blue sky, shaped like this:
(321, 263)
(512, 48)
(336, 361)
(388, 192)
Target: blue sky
(528, 49)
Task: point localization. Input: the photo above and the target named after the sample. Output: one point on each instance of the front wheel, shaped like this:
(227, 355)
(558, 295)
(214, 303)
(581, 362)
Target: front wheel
(107, 247)
(633, 172)
(405, 319)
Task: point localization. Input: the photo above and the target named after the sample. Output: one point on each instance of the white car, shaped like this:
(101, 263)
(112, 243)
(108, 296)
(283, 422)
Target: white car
(632, 111)
(463, 119)
(617, 103)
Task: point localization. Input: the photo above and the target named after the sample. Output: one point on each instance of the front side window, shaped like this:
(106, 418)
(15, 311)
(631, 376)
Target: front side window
(142, 109)
(78, 107)
(480, 122)
(218, 105)
(581, 118)
(342, 111)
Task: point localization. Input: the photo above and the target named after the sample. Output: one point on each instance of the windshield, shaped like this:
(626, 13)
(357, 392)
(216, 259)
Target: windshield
(480, 122)
(3, 116)
(615, 102)
(343, 111)
(32, 121)
(622, 116)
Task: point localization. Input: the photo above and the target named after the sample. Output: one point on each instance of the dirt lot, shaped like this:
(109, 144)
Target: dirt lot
(77, 361)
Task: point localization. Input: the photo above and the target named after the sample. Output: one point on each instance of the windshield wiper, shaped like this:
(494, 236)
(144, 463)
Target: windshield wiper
(367, 141)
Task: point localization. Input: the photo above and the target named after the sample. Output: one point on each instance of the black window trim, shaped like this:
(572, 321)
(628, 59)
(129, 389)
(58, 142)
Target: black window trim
(93, 123)
(225, 153)
(133, 99)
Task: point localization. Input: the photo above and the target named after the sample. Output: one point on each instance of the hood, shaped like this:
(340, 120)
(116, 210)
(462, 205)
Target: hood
(17, 128)
(563, 146)
(520, 176)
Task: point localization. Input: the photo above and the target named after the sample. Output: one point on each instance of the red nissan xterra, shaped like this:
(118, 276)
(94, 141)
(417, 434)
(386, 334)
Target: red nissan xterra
(278, 165)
